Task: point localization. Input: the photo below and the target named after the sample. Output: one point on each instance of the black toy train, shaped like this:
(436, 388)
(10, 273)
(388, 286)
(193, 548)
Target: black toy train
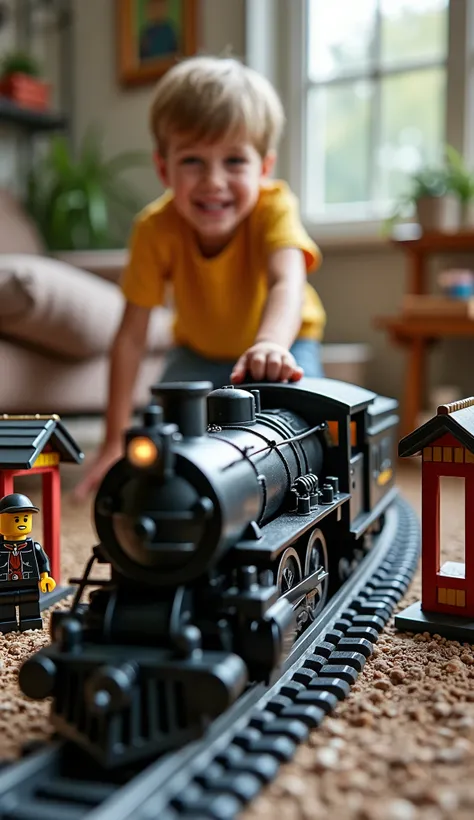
(230, 518)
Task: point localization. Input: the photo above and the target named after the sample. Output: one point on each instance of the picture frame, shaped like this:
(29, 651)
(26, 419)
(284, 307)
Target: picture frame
(152, 36)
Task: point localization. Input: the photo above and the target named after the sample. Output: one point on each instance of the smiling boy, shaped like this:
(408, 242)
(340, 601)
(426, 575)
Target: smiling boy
(226, 238)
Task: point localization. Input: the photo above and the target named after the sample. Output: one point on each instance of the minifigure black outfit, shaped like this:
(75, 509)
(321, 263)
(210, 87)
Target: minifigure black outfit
(21, 565)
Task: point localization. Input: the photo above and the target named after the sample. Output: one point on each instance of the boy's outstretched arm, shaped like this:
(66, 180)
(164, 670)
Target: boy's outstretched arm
(269, 357)
(125, 357)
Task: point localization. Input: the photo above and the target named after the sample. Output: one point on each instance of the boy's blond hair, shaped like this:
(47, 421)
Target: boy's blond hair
(210, 97)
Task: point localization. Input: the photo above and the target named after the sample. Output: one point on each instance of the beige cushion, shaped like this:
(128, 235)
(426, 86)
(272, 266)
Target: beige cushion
(18, 233)
(64, 310)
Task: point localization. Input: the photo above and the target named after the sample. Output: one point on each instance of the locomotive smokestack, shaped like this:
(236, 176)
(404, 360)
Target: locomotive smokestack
(184, 404)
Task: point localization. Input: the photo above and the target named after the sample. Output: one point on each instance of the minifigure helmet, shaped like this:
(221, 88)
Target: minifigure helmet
(15, 503)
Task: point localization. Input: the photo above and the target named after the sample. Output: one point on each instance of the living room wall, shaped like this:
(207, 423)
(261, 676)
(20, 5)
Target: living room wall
(358, 280)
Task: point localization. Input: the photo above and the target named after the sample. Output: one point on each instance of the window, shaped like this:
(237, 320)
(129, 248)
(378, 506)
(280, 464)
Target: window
(452, 530)
(375, 78)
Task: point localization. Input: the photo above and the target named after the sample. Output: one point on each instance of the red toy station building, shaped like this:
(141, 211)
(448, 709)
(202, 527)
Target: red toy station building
(446, 444)
(37, 445)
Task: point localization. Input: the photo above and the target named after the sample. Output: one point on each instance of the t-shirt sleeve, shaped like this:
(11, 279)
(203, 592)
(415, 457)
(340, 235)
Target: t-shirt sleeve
(143, 280)
(282, 228)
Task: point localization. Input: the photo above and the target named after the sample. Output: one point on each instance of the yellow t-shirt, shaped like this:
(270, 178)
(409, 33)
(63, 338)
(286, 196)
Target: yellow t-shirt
(218, 302)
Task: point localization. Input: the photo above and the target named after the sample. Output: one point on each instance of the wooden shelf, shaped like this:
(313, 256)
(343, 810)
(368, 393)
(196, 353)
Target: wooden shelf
(412, 239)
(28, 119)
(425, 327)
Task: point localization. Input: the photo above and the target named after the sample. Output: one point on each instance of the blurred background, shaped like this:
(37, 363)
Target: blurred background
(378, 146)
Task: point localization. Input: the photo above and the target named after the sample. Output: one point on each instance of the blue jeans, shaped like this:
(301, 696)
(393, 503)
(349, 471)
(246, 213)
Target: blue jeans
(183, 364)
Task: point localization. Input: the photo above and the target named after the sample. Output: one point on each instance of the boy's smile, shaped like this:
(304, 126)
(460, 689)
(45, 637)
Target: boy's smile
(215, 184)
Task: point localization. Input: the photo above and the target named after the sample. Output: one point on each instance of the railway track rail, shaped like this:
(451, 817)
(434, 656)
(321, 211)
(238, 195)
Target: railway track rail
(243, 750)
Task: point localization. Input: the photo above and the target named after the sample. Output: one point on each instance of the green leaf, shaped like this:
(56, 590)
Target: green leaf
(81, 200)
(18, 62)
(97, 211)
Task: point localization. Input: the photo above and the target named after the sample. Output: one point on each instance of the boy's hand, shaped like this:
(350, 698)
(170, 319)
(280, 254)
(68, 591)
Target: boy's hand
(267, 360)
(107, 456)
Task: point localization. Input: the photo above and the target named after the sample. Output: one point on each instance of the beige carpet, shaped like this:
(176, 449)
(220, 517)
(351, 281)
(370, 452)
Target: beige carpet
(401, 747)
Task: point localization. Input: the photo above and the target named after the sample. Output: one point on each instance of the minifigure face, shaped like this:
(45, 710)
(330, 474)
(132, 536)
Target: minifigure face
(16, 525)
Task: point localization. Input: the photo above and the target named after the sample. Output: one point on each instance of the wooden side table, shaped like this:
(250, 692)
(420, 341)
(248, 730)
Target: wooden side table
(417, 333)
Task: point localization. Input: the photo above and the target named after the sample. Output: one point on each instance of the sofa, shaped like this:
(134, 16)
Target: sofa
(57, 322)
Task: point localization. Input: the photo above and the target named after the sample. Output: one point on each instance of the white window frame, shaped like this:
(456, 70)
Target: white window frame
(276, 45)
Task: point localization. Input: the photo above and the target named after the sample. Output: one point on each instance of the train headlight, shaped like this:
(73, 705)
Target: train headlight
(142, 452)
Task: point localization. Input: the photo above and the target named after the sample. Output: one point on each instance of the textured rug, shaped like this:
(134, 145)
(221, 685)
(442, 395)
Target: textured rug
(401, 747)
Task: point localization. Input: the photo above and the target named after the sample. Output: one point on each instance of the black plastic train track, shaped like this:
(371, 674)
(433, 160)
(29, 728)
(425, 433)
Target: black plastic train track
(219, 775)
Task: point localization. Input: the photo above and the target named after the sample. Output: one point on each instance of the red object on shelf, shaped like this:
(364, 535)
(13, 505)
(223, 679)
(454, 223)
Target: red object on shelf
(27, 91)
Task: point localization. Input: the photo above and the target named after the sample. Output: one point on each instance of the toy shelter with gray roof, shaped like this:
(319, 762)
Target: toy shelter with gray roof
(38, 444)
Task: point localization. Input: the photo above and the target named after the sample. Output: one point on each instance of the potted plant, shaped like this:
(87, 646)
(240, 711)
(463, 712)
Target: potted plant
(20, 81)
(83, 202)
(436, 206)
(429, 195)
(441, 196)
(460, 183)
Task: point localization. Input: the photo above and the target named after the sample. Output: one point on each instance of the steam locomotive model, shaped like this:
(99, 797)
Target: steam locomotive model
(232, 516)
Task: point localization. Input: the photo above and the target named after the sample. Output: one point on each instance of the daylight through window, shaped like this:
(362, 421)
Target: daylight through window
(375, 98)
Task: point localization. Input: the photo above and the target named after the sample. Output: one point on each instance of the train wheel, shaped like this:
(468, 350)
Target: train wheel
(317, 558)
(289, 570)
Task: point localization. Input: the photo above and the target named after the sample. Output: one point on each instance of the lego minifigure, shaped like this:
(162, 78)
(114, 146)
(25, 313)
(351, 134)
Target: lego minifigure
(24, 566)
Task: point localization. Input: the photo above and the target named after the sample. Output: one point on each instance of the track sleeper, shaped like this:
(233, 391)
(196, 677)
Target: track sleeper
(79, 791)
(337, 686)
(355, 659)
(323, 700)
(44, 810)
(310, 714)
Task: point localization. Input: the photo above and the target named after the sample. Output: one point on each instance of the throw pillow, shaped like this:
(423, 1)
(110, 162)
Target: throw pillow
(65, 310)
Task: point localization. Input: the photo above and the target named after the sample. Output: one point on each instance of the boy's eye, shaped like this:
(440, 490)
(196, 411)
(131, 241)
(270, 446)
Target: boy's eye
(189, 160)
(235, 160)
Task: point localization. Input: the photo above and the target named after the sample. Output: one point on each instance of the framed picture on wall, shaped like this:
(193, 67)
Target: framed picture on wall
(152, 36)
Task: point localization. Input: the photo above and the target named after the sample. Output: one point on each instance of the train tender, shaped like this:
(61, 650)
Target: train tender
(232, 516)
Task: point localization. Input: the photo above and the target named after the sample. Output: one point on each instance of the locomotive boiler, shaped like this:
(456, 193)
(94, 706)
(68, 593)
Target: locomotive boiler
(231, 517)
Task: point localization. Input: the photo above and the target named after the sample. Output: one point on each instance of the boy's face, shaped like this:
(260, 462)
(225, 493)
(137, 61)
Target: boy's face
(215, 185)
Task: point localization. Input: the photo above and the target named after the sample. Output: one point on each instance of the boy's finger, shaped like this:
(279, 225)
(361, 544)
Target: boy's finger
(287, 369)
(81, 492)
(238, 372)
(89, 483)
(257, 366)
(298, 374)
(275, 366)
